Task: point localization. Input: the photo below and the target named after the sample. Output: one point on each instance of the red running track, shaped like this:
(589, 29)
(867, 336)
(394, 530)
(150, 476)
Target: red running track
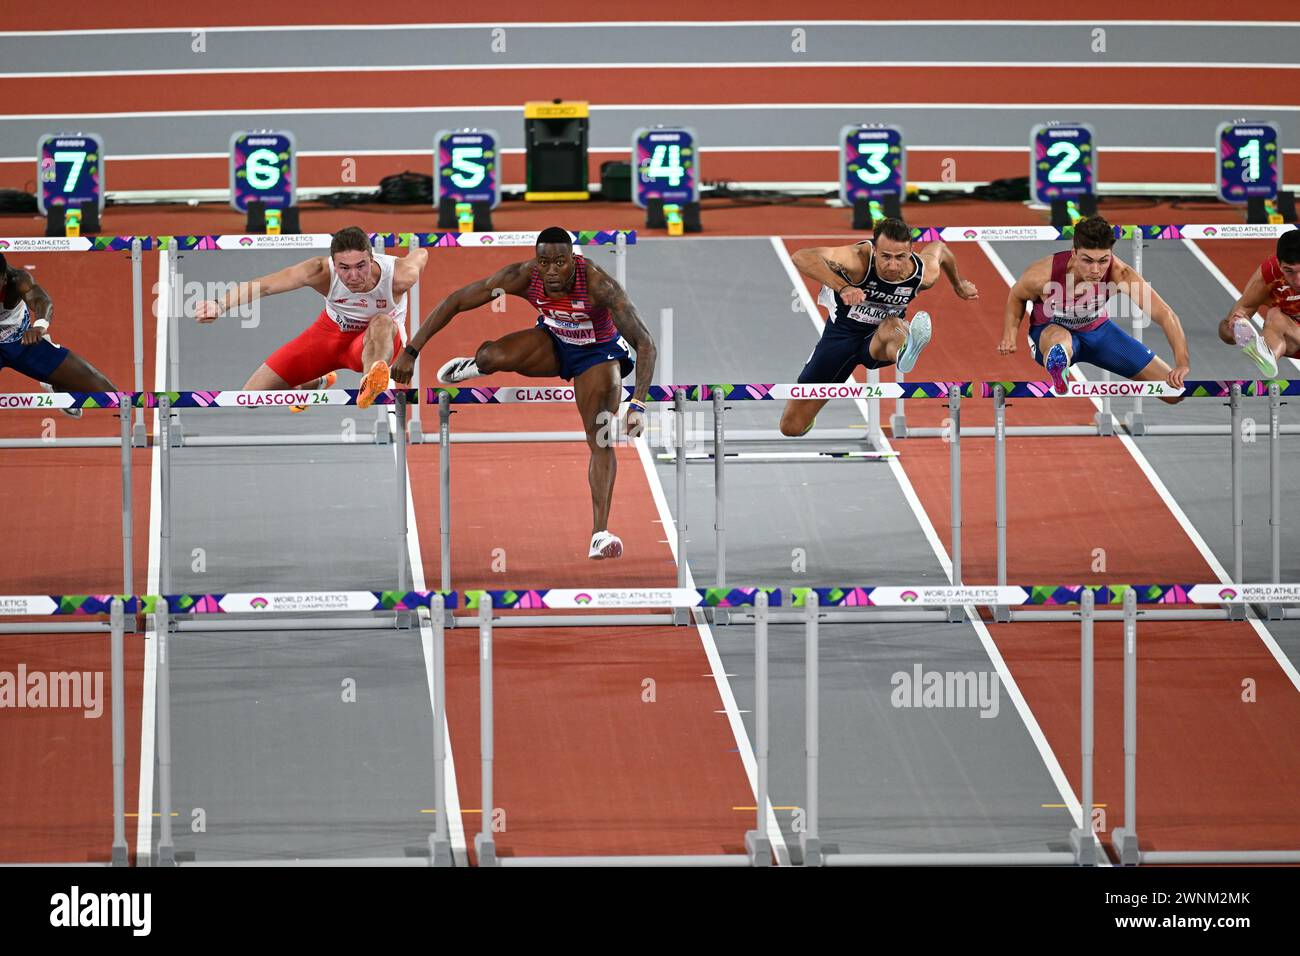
(64, 533)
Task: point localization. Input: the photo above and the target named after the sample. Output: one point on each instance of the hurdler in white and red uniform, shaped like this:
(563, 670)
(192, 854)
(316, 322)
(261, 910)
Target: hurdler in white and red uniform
(585, 324)
(361, 328)
(1274, 288)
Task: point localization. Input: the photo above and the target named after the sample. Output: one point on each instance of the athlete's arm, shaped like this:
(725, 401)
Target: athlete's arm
(606, 291)
(819, 263)
(1253, 298)
(939, 257)
(1142, 295)
(313, 272)
(511, 280)
(38, 302)
(1028, 288)
(406, 270)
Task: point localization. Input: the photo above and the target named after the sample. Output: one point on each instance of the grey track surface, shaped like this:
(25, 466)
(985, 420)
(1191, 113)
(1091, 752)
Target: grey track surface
(892, 779)
(811, 125)
(684, 43)
(262, 739)
(1197, 470)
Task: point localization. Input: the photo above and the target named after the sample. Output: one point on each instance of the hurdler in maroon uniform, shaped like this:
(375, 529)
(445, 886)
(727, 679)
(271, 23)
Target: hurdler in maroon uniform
(585, 324)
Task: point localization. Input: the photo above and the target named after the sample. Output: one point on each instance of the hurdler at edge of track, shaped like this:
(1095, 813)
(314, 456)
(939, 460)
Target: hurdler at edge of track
(584, 326)
(362, 326)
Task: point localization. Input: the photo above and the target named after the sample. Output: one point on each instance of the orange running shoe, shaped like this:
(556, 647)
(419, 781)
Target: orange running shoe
(327, 382)
(376, 381)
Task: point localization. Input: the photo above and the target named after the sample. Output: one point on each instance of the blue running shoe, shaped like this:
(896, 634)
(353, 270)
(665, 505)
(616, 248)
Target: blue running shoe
(1056, 365)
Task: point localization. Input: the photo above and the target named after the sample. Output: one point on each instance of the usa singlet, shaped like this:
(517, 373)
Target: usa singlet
(572, 318)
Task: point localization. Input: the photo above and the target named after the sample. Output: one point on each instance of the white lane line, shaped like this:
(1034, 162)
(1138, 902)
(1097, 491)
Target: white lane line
(144, 824)
(1284, 662)
(455, 823)
(678, 65)
(653, 107)
(1224, 281)
(605, 24)
(729, 706)
(931, 535)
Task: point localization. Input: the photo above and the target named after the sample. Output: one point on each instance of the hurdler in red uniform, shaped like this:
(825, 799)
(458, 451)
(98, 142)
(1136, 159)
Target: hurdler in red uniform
(1274, 289)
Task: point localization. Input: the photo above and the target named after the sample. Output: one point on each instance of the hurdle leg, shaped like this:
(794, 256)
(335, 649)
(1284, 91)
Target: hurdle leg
(139, 437)
(117, 679)
(956, 613)
(163, 733)
(681, 615)
(720, 614)
(403, 618)
(1275, 611)
(757, 844)
(439, 841)
(415, 428)
(810, 840)
(1124, 838)
(173, 366)
(1001, 612)
(898, 421)
(1082, 840)
(1237, 612)
(444, 495)
(484, 846)
(128, 509)
(1135, 421)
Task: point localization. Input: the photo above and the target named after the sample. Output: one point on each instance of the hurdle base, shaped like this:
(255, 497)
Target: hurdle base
(681, 616)
(811, 849)
(177, 431)
(485, 849)
(720, 615)
(440, 852)
(139, 436)
(1105, 424)
(403, 621)
(166, 856)
(1275, 612)
(1125, 843)
(759, 848)
(898, 425)
(1001, 614)
(119, 857)
(414, 433)
(381, 431)
(1236, 612)
(956, 614)
(1135, 423)
(1084, 846)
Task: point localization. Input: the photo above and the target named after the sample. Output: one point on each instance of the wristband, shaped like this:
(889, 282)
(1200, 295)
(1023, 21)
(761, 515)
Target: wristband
(847, 285)
(637, 404)
(41, 324)
(414, 353)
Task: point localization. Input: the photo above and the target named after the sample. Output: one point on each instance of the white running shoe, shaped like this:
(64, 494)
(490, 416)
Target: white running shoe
(605, 545)
(1256, 349)
(918, 337)
(70, 412)
(457, 370)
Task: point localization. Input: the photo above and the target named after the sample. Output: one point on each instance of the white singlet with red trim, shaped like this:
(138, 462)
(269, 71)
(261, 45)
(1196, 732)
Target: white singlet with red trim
(352, 311)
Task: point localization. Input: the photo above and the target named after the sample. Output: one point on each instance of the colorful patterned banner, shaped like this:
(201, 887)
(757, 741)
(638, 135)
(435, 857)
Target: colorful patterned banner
(586, 237)
(281, 602)
(256, 399)
(645, 598)
(73, 244)
(286, 602)
(44, 400)
(64, 604)
(539, 394)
